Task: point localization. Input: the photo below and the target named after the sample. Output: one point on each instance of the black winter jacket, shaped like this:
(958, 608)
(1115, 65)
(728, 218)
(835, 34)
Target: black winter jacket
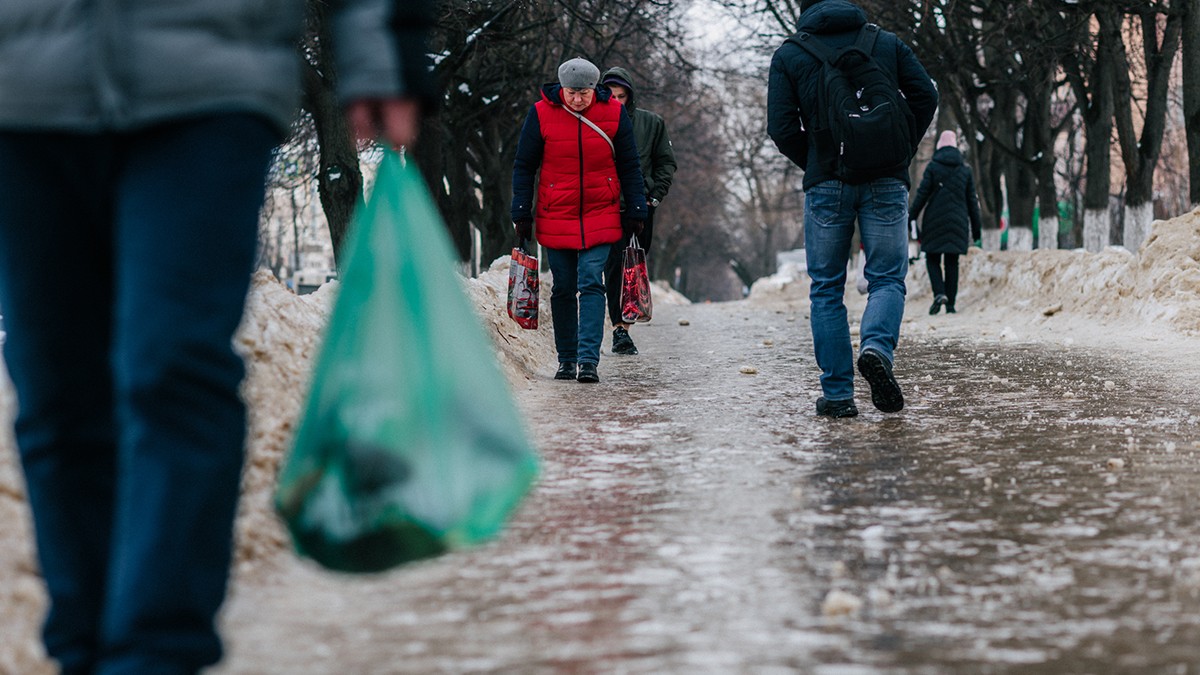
(947, 196)
(795, 76)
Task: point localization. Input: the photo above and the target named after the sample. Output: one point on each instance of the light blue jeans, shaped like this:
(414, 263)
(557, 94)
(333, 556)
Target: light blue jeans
(577, 302)
(830, 210)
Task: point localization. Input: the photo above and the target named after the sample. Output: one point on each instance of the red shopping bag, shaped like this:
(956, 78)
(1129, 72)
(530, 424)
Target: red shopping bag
(523, 288)
(635, 284)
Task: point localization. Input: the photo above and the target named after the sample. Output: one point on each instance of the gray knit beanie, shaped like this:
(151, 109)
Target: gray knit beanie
(578, 73)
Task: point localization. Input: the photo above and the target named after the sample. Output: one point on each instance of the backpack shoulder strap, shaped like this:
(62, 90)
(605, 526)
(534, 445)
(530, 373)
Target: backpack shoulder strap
(813, 46)
(866, 38)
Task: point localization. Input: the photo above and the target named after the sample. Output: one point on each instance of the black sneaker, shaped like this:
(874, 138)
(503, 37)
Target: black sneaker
(835, 409)
(566, 371)
(587, 373)
(950, 308)
(885, 391)
(938, 301)
(622, 343)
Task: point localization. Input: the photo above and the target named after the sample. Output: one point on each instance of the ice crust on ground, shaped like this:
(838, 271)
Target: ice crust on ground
(1127, 294)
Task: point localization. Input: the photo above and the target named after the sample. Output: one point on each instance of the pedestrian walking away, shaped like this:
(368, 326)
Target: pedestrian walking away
(657, 160)
(577, 154)
(951, 221)
(133, 158)
(855, 164)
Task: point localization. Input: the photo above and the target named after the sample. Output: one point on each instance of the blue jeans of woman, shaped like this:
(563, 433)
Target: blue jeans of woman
(124, 265)
(577, 302)
(830, 211)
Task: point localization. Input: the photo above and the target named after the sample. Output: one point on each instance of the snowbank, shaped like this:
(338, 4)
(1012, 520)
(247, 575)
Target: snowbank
(1160, 286)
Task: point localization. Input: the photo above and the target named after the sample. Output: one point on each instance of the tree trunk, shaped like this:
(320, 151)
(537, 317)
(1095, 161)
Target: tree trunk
(1140, 152)
(1098, 120)
(1047, 206)
(1191, 97)
(339, 178)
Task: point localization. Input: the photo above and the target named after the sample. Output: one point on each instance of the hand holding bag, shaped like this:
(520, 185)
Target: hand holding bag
(635, 284)
(409, 444)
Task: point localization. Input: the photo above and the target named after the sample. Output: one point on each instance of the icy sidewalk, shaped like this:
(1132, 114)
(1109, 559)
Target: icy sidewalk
(1023, 514)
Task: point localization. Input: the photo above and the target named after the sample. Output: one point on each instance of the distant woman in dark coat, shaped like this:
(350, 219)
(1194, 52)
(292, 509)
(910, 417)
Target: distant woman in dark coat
(951, 222)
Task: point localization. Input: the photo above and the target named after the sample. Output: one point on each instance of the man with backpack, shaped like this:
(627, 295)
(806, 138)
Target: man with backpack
(849, 102)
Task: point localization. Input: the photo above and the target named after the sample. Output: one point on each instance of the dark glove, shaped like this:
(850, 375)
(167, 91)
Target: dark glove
(631, 226)
(524, 228)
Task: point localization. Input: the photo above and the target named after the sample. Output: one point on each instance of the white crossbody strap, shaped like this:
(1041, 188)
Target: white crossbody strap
(598, 130)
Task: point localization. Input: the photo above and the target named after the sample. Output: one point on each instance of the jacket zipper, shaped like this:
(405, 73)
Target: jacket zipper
(582, 232)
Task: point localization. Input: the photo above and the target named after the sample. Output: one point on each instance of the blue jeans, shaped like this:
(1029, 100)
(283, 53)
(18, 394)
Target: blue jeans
(577, 302)
(124, 265)
(830, 210)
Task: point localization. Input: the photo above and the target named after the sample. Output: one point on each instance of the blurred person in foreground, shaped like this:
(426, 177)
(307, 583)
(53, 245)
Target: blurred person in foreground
(578, 155)
(835, 196)
(135, 139)
(952, 221)
(657, 159)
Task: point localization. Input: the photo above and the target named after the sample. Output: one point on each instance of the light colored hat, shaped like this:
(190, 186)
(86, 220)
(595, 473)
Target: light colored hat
(578, 73)
(948, 139)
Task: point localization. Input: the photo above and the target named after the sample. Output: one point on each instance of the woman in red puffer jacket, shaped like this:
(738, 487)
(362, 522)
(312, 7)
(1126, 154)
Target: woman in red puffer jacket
(581, 140)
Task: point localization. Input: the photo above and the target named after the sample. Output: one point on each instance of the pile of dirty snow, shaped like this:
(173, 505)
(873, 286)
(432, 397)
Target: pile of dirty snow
(1074, 291)
(1159, 285)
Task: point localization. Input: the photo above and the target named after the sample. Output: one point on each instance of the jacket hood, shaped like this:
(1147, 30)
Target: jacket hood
(948, 156)
(831, 16)
(552, 93)
(621, 77)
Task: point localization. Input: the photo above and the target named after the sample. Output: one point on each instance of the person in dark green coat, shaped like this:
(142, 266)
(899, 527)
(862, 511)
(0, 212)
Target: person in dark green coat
(951, 222)
(658, 169)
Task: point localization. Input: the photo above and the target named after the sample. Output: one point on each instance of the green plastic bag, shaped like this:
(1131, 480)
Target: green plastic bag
(410, 444)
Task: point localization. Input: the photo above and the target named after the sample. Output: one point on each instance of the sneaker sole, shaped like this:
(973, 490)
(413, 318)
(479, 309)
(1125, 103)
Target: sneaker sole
(588, 380)
(885, 391)
(840, 413)
(626, 352)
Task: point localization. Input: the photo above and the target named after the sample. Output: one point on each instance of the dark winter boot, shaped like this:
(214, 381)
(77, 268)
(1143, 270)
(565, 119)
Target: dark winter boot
(885, 391)
(836, 409)
(566, 371)
(950, 308)
(938, 301)
(622, 343)
(587, 373)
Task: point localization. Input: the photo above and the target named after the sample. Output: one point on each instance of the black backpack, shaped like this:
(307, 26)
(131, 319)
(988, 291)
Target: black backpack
(863, 125)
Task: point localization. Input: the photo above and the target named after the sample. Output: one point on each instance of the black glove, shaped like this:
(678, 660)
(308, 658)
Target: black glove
(631, 226)
(524, 228)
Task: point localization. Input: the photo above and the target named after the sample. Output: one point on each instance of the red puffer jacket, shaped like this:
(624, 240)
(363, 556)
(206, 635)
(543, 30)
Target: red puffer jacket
(580, 185)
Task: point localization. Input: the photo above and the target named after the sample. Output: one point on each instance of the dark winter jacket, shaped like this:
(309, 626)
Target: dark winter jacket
(580, 184)
(654, 147)
(120, 65)
(947, 196)
(796, 75)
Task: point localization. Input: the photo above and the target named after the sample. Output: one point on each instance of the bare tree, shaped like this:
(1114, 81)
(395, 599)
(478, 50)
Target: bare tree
(1159, 26)
(493, 57)
(765, 209)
